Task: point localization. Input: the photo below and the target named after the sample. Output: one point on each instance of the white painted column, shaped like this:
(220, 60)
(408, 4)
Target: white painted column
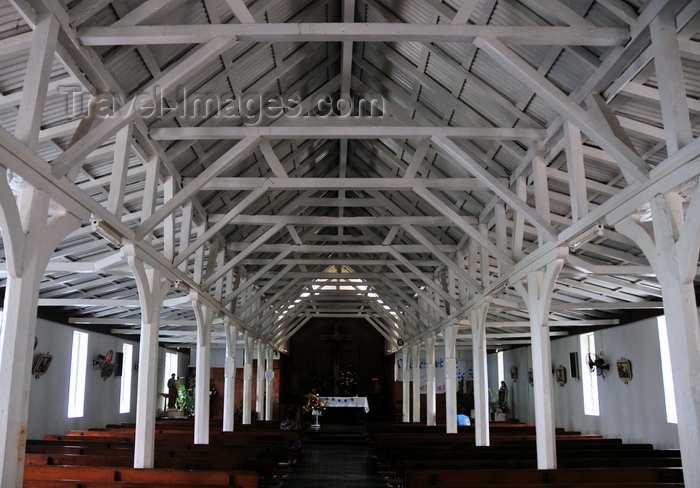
(204, 315)
(152, 290)
(230, 375)
(430, 371)
(260, 383)
(247, 378)
(477, 319)
(406, 385)
(673, 252)
(538, 297)
(450, 337)
(415, 393)
(269, 382)
(27, 253)
(29, 238)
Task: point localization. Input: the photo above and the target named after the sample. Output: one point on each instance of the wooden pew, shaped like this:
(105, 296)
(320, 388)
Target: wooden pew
(131, 475)
(519, 477)
(576, 485)
(107, 484)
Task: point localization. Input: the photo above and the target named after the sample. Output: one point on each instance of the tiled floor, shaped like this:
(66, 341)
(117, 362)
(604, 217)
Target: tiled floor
(334, 459)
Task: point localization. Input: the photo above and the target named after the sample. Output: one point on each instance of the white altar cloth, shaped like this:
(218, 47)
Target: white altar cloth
(359, 402)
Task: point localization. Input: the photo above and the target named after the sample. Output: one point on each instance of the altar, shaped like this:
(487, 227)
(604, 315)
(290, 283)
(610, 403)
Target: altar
(357, 402)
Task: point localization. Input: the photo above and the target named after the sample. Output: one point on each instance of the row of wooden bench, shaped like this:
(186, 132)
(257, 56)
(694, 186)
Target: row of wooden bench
(413, 456)
(104, 457)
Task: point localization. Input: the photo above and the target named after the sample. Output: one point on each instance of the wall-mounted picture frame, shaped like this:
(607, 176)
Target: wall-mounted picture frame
(514, 373)
(624, 370)
(42, 364)
(530, 377)
(560, 375)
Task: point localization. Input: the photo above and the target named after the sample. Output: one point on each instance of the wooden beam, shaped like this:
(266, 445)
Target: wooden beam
(518, 205)
(599, 133)
(346, 127)
(356, 32)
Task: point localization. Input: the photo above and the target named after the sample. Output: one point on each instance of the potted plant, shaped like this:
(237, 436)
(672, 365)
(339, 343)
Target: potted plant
(184, 401)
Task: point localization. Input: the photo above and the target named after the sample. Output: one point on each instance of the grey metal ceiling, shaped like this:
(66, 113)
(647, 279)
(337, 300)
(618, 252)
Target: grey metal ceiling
(359, 239)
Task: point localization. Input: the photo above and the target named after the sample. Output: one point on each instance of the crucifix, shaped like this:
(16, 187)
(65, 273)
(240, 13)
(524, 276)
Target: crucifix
(336, 339)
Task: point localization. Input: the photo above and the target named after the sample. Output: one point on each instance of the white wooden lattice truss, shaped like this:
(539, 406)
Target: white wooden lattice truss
(505, 135)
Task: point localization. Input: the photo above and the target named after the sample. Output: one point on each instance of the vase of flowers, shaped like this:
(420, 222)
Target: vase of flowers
(347, 382)
(316, 406)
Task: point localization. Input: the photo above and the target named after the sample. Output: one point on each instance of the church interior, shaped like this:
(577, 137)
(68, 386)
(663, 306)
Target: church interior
(236, 227)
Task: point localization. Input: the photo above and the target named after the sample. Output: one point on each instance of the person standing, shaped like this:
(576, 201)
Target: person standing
(172, 391)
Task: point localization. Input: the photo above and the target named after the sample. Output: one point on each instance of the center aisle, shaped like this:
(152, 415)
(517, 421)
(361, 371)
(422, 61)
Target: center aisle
(335, 458)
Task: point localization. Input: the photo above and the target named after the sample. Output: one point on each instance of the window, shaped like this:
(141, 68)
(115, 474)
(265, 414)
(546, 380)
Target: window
(78, 370)
(589, 379)
(170, 367)
(667, 372)
(501, 369)
(125, 388)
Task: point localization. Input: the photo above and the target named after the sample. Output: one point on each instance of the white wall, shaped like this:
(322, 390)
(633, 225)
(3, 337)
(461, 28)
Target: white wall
(634, 412)
(48, 400)
(218, 357)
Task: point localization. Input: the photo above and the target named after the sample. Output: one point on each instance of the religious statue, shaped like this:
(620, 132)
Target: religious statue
(503, 398)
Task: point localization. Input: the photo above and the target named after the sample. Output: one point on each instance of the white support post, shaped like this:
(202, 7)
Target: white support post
(538, 298)
(247, 378)
(450, 337)
(260, 383)
(34, 239)
(152, 290)
(406, 385)
(674, 247)
(230, 375)
(430, 370)
(673, 252)
(481, 395)
(204, 315)
(415, 355)
(269, 382)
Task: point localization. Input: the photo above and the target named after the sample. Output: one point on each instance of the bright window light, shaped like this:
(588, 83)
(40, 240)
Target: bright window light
(78, 371)
(501, 369)
(589, 379)
(170, 367)
(666, 372)
(125, 387)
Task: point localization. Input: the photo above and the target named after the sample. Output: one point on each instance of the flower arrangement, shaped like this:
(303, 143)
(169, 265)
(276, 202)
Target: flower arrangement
(348, 378)
(314, 403)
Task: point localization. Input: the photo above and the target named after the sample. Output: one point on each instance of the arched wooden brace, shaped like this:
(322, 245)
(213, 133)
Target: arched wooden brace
(537, 293)
(152, 289)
